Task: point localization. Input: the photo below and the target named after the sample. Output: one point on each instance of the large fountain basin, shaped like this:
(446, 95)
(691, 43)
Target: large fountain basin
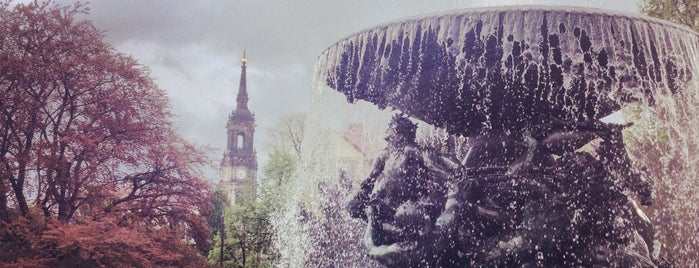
(501, 69)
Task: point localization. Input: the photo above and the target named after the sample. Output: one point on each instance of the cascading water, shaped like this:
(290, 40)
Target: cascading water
(497, 64)
(527, 86)
(312, 227)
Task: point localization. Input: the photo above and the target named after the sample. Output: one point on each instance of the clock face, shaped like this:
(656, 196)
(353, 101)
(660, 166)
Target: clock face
(240, 173)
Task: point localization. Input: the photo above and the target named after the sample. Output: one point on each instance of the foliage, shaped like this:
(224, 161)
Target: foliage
(246, 234)
(684, 12)
(214, 217)
(98, 244)
(280, 167)
(277, 173)
(87, 144)
(289, 134)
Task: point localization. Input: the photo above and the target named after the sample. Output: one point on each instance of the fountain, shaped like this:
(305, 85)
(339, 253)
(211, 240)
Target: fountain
(527, 86)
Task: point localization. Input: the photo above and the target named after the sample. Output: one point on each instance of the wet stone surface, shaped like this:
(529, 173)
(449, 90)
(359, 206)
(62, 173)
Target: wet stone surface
(427, 209)
(496, 70)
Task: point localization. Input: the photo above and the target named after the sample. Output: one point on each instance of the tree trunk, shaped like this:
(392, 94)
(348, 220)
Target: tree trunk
(4, 216)
(23, 159)
(18, 189)
(242, 246)
(220, 257)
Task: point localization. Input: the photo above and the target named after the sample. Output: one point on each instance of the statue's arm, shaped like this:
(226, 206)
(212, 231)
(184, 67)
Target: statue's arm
(358, 203)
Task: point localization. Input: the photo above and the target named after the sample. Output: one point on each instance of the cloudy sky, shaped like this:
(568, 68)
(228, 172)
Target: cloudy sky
(193, 49)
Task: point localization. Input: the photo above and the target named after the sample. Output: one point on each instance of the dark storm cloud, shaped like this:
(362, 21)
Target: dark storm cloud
(193, 49)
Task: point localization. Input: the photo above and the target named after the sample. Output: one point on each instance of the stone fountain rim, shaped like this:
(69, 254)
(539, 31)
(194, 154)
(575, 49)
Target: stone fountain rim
(569, 9)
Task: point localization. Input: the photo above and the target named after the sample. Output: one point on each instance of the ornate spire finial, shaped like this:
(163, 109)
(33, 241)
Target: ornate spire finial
(242, 98)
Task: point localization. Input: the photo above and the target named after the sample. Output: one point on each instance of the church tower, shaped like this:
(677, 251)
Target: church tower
(239, 163)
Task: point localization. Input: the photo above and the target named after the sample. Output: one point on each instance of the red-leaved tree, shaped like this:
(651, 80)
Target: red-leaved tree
(85, 134)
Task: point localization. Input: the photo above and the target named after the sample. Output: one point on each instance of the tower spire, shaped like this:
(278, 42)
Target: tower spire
(239, 161)
(242, 98)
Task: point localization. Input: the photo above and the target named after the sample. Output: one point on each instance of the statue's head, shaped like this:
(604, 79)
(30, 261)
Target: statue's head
(401, 130)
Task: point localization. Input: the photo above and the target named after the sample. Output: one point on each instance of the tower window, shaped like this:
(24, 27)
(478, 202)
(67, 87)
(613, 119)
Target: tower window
(241, 141)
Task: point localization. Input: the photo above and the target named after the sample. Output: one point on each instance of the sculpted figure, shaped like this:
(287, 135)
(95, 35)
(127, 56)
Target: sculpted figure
(401, 198)
(511, 201)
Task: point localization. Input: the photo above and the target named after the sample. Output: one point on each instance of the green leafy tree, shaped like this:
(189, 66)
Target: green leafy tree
(246, 233)
(684, 12)
(276, 174)
(215, 219)
(289, 134)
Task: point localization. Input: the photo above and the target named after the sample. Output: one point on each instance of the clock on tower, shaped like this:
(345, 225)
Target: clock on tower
(240, 173)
